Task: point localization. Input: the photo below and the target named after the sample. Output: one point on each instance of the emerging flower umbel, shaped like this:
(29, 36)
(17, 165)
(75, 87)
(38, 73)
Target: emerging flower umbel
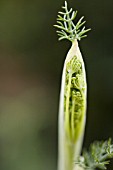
(72, 109)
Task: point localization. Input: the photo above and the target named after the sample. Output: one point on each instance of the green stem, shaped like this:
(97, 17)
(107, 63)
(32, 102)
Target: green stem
(71, 130)
(72, 117)
(67, 105)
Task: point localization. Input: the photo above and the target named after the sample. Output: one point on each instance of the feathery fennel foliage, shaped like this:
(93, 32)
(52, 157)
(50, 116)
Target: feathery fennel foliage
(98, 155)
(68, 30)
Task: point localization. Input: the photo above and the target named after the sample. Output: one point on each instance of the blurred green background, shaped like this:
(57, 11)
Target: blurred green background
(31, 61)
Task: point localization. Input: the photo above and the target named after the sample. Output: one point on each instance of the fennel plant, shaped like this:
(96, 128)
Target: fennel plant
(73, 99)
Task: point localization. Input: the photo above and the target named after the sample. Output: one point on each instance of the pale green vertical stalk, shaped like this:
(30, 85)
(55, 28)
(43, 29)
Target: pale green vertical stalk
(72, 106)
(71, 137)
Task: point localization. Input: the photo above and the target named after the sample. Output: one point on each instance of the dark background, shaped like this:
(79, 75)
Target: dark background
(31, 61)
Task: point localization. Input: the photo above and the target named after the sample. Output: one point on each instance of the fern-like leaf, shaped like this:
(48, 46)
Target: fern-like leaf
(68, 29)
(97, 157)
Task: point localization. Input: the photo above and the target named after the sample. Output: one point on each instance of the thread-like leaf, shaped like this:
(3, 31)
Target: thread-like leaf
(65, 22)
